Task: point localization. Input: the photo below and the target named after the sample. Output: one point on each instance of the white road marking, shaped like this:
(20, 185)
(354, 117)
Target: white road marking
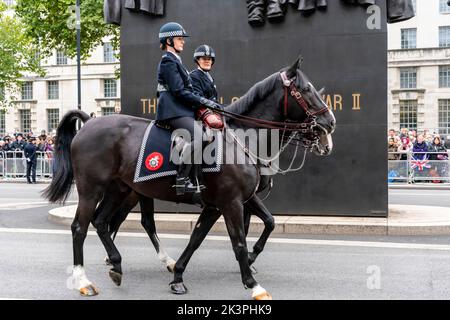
(27, 205)
(316, 242)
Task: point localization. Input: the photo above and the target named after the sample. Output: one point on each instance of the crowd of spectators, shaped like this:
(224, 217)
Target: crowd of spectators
(422, 146)
(423, 150)
(13, 145)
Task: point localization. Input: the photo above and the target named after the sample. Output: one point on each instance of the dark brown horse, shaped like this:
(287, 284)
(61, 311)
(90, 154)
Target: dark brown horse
(285, 100)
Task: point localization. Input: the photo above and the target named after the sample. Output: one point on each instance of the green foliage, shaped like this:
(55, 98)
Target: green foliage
(51, 24)
(18, 55)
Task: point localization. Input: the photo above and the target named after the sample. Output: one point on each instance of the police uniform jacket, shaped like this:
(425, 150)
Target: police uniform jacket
(203, 85)
(30, 152)
(175, 91)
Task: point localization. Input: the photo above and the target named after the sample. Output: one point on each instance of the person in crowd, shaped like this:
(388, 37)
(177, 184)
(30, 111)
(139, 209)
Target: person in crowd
(404, 147)
(438, 152)
(393, 150)
(31, 158)
(49, 148)
(6, 146)
(43, 135)
(404, 133)
(19, 143)
(420, 149)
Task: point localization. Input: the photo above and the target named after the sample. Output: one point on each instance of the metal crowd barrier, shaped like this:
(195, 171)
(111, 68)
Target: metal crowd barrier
(13, 165)
(412, 167)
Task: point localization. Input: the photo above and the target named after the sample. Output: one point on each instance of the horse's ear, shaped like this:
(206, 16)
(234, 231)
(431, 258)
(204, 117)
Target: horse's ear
(292, 70)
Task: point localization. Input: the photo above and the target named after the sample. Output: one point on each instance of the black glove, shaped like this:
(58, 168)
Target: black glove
(210, 104)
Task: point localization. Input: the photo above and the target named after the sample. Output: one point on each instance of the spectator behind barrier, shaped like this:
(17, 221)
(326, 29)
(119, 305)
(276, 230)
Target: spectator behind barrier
(393, 150)
(439, 148)
(420, 146)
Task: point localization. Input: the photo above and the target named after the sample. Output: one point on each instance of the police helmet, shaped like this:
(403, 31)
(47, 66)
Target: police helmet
(171, 30)
(204, 51)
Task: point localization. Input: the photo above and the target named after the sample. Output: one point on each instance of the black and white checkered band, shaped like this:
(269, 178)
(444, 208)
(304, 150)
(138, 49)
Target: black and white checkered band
(178, 33)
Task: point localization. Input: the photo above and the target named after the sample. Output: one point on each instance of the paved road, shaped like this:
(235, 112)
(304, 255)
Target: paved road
(35, 255)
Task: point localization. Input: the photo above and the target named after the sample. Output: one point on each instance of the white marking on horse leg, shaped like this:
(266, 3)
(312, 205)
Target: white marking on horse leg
(165, 258)
(79, 278)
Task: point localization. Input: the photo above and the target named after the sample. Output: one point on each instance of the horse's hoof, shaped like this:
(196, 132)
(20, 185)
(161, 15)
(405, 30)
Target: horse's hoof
(89, 291)
(178, 288)
(263, 296)
(116, 277)
(253, 269)
(171, 267)
(108, 262)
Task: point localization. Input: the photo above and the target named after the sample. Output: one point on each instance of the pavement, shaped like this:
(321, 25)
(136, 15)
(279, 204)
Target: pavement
(402, 220)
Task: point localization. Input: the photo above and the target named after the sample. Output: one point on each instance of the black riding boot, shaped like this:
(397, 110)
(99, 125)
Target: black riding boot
(183, 181)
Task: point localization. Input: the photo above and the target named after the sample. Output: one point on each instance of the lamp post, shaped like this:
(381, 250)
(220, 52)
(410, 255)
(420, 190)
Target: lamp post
(78, 27)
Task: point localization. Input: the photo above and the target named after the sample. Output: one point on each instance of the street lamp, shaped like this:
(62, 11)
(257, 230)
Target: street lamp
(78, 27)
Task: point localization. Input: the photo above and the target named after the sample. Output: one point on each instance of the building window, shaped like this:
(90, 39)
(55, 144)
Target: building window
(409, 37)
(110, 88)
(25, 120)
(444, 36)
(27, 90)
(444, 77)
(2, 122)
(444, 7)
(408, 78)
(53, 90)
(108, 53)
(107, 111)
(2, 92)
(52, 119)
(408, 114)
(444, 116)
(61, 58)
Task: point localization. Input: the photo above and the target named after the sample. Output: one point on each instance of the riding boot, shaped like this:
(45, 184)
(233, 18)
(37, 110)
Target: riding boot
(183, 182)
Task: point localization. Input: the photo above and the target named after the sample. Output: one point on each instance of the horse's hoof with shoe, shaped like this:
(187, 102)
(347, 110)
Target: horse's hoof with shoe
(116, 277)
(259, 293)
(178, 288)
(89, 291)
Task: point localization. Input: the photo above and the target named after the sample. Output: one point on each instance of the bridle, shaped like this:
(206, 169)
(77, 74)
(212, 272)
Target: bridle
(299, 132)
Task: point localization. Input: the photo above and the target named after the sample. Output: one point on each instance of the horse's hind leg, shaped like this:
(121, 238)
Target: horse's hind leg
(204, 223)
(112, 204)
(80, 225)
(148, 222)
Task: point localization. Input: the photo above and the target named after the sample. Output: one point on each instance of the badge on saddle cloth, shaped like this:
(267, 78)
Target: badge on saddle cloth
(210, 118)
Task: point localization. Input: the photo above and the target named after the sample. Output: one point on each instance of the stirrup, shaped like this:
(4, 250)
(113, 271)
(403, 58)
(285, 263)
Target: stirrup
(184, 185)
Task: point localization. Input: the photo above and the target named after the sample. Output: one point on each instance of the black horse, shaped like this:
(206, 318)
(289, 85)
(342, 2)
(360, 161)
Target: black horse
(285, 100)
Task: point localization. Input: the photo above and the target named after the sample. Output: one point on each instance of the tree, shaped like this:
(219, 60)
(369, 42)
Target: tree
(18, 55)
(51, 25)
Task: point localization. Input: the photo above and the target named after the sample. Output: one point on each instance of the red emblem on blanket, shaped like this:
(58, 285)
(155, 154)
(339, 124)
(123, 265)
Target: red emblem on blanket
(154, 161)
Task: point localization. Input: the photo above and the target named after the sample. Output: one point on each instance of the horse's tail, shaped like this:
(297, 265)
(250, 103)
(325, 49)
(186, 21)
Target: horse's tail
(61, 185)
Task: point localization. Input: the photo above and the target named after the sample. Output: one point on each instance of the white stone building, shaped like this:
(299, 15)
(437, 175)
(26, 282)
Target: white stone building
(419, 69)
(43, 101)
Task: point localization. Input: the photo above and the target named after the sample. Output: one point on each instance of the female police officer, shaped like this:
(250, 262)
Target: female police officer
(177, 102)
(203, 82)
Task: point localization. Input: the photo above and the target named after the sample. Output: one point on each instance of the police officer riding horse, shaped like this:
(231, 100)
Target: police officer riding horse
(177, 106)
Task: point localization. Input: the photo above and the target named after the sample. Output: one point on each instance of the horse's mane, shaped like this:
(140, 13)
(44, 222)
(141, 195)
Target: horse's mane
(256, 93)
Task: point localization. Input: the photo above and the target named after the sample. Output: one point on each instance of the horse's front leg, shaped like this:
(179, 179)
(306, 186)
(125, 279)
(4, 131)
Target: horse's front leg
(234, 220)
(257, 207)
(204, 223)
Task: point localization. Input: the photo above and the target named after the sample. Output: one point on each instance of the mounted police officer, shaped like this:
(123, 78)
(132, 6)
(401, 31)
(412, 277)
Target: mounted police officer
(203, 82)
(177, 103)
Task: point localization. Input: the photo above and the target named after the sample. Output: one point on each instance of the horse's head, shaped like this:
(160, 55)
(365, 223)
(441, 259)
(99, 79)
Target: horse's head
(302, 103)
